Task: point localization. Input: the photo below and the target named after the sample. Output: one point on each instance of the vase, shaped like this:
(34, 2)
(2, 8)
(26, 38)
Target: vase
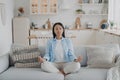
(85, 1)
(20, 14)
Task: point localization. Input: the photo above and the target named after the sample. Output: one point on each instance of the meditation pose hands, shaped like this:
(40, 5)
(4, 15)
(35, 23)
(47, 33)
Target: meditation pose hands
(78, 59)
(40, 59)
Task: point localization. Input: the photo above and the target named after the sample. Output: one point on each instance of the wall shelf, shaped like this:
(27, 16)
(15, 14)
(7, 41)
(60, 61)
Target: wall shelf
(93, 14)
(94, 4)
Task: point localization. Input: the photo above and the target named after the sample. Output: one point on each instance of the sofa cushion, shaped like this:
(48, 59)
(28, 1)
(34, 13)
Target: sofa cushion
(29, 74)
(81, 51)
(26, 59)
(100, 57)
(114, 46)
(27, 54)
(26, 49)
(88, 74)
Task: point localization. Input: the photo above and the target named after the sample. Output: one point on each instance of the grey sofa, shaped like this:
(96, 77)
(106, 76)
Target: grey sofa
(11, 73)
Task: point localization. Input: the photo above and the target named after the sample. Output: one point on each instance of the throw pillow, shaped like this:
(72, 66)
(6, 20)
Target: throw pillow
(100, 57)
(24, 55)
(26, 59)
(81, 51)
(26, 49)
(114, 46)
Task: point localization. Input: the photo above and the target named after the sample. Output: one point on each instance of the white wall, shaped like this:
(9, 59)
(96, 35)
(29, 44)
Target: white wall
(111, 10)
(114, 11)
(6, 30)
(67, 17)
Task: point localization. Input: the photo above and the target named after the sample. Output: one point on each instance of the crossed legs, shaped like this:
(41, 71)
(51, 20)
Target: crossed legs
(64, 68)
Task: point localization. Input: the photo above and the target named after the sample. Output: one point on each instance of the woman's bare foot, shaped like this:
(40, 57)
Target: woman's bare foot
(40, 59)
(61, 71)
(66, 74)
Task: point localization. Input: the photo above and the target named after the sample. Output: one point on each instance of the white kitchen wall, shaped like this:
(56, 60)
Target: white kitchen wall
(114, 12)
(6, 30)
(67, 17)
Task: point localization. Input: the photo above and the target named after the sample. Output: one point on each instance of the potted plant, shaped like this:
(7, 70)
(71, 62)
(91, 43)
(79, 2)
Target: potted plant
(111, 24)
(80, 11)
(21, 11)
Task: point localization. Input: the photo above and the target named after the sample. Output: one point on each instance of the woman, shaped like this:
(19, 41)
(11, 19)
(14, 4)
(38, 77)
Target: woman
(59, 55)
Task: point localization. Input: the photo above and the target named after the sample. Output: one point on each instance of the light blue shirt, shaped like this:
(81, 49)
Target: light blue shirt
(67, 46)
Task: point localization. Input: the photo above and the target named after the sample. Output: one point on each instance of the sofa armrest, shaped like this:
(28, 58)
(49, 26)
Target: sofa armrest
(4, 62)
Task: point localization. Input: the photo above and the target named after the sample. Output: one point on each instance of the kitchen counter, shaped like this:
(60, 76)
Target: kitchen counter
(112, 31)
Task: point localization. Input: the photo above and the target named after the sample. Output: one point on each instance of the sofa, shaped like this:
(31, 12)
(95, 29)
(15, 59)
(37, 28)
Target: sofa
(9, 72)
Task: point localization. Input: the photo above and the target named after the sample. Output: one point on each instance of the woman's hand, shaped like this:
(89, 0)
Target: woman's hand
(78, 59)
(40, 59)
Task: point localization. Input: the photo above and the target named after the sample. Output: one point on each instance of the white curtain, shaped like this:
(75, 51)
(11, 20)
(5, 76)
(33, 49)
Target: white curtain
(2, 23)
(2, 14)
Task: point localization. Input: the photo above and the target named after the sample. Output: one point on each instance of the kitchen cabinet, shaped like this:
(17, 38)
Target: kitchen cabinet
(40, 37)
(111, 39)
(78, 37)
(21, 27)
(84, 37)
(34, 8)
(43, 6)
(106, 38)
(100, 37)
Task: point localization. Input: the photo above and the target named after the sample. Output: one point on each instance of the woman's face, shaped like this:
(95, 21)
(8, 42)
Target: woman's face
(58, 30)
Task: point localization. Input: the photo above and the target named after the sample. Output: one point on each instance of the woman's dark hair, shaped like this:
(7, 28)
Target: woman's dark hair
(58, 23)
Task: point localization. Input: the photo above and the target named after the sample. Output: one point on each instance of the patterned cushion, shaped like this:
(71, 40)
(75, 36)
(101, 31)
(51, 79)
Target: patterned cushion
(27, 49)
(26, 59)
(25, 56)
